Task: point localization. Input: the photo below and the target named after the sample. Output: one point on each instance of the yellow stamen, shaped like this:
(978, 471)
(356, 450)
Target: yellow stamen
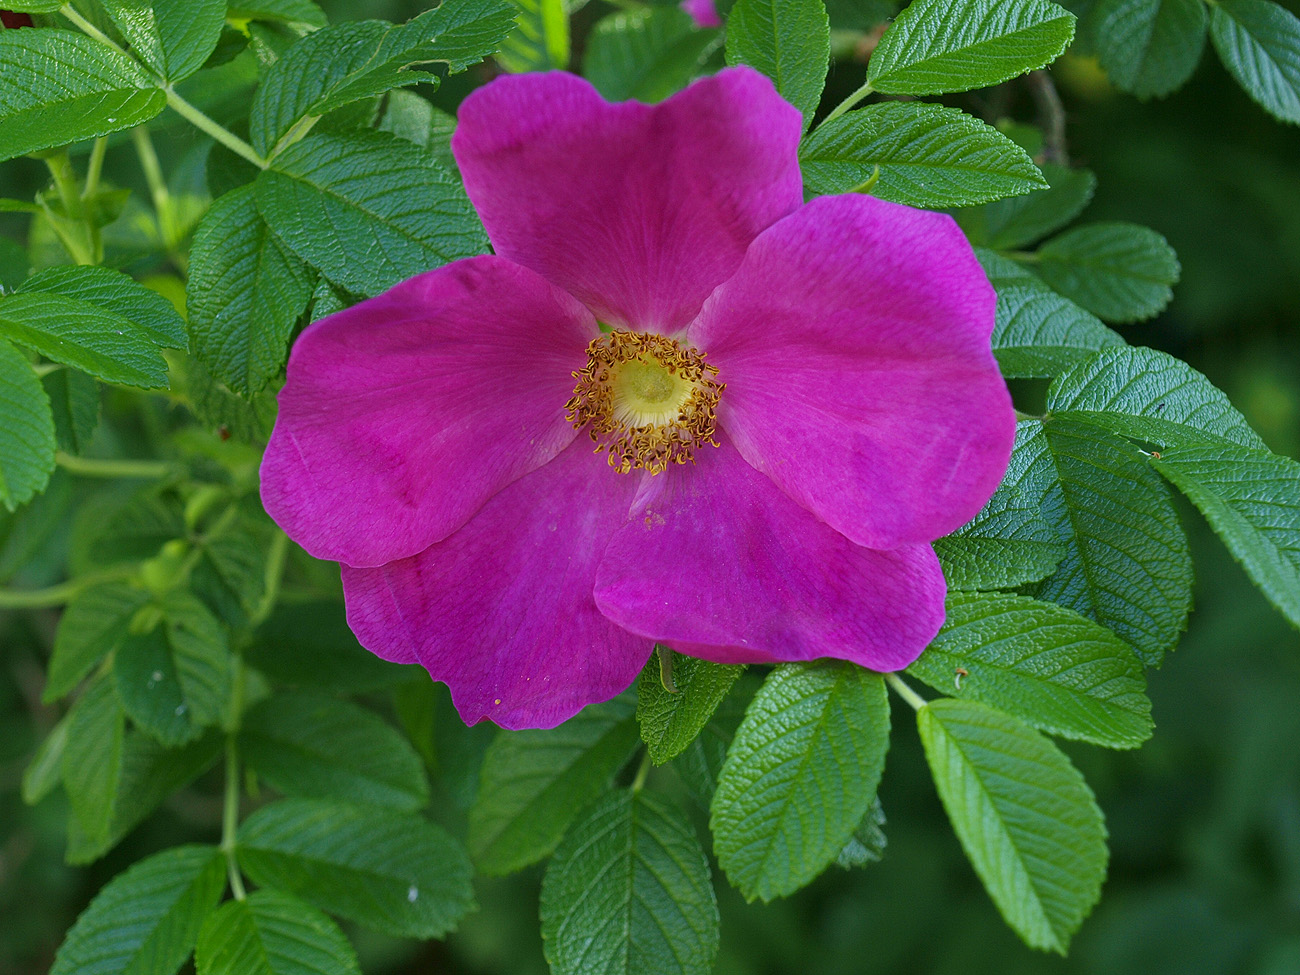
(646, 400)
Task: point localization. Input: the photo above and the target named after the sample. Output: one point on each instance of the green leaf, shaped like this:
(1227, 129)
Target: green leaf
(306, 744)
(118, 294)
(176, 679)
(671, 720)
(347, 62)
(787, 40)
(1024, 815)
(645, 54)
(414, 119)
(95, 622)
(1126, 561)
(700, 763)
(146, 919)
(1009, 542)
(309, 644)
(1151, 396)
(92, 760)
(1043, 663)
(1036, 331)
(938, 46)
(26, 430)
(1149, 47)
(217, 408)
(85, 336)
(273, 933)
(246, 292)
(290, 12)
(13, 263)
(230, 574)
(45, 771)
(534, 783)
(174, 37)
(1251, 499)
(928, 156)
(868, 842)
(540, 42)
(390, 871)
(1120, 272)
(58, 87)
(137, 529)
(799, 776)
(1259, 43)
(34, 6)
(628, 891)
(1021, 220)
(74, 404)
(367, 209)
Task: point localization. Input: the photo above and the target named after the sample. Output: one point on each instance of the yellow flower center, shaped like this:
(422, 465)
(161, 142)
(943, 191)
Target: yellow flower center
(645, 399)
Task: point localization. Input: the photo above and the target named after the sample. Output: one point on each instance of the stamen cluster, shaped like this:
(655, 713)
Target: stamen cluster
(646, 400)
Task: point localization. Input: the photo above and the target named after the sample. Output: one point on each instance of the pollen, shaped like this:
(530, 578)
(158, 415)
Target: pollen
(646, 400)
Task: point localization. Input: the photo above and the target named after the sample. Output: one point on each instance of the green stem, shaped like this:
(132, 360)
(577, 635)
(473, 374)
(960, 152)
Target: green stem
(1025, 416)
(849, 102)
(665, 657)
(162, 197)
(87, 28)
(58, 595)
(906, 693)
(227, 138)
(94, 167)
(639, 782)
(94, 467)
(65, 181)
(274, 574)
(230, 807)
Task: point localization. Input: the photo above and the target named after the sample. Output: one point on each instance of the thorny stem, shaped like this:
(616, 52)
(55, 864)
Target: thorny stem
(1053, 114)
(849, 102)
(93, 467)
(906, 693)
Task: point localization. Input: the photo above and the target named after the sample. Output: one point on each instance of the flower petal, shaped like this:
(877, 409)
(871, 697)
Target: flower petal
(637, 210)
(403, 414)
(502, 610)
(717, 562)
(854, 342)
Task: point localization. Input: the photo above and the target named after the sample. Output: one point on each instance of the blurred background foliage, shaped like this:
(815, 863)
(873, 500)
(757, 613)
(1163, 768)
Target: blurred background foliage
(1204, 820)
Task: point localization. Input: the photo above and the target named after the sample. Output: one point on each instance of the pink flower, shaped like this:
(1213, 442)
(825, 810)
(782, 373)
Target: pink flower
(703, 12)
(793, 402)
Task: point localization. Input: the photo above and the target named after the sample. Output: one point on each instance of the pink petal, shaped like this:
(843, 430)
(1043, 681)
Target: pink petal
(718, 563)
(703, 12)
(854, 342)
(638, 210)
(402, 415)
(502, 610)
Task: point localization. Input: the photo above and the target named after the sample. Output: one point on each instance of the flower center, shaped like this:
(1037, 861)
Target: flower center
(645, 399)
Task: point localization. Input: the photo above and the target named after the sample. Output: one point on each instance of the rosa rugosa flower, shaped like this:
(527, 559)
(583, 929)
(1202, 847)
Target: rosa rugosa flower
(703, 12)
(788, 403)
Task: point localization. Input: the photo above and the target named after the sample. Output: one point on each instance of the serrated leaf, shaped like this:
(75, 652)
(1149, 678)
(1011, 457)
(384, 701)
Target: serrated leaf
(1251, 499)
(1149, 47)
(174, 37)
(74, 404)
(1126, 562)
(58, 87)
(245, 420)
(26, 430)
(533, 783)
(347, 62)
(367, 209)
(1037, 332)
(938, 46)
(394, 872)
(645, 54)
(114, 292)
(868, 842)
(1120, 272)
(1024, 815)
(1009, 542)
(799, 776)
(82, 335)
(246, 291)
(928, 156)
(1149, 395)
(540, 41)
(700, 763)
(309, 644)
(283, 11)
(410, 117)
(146, 919)
(787, 40)
(1043, 663)
(629, 892)
(670, 721)
(92, 760)
(1259, 43)
(1020, 220)
(306, 744)
(273, 933)
(45, 771)
(94, 622)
